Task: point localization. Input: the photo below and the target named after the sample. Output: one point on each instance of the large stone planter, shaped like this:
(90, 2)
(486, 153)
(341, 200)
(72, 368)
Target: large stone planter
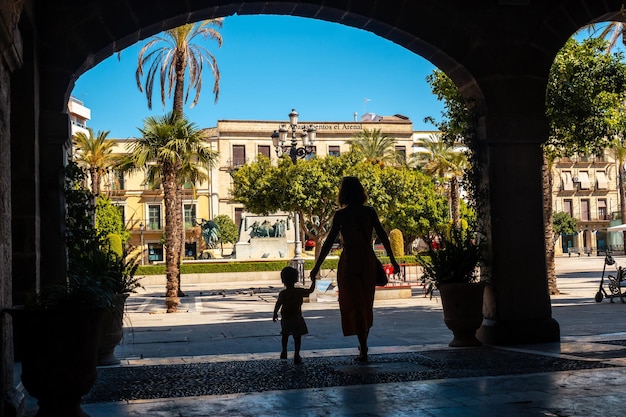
(463, 311)
(112, 332)
(58, 353)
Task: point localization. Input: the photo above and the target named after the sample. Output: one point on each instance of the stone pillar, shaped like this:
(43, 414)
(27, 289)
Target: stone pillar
(25, 176)
(55, 143)
(516, 238)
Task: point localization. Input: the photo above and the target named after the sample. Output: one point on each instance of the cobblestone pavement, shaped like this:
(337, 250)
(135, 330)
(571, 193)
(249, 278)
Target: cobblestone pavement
(218, 356)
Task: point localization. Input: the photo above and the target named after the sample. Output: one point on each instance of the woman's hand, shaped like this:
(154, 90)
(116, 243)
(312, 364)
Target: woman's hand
(396, 267)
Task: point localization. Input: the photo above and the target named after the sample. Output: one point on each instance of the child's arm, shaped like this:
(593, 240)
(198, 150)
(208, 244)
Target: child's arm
(276, 308)
(312, 287)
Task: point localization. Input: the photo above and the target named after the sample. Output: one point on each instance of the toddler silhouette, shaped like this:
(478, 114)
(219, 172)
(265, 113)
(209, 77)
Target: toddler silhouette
(290, 305)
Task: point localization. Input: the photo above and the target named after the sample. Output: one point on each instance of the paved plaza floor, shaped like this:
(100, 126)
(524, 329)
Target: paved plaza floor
(223, 324)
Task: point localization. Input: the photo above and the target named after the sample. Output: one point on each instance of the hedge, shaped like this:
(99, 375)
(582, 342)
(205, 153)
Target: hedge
(247, 266)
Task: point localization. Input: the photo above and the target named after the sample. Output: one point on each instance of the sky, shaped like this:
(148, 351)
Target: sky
(270, 65)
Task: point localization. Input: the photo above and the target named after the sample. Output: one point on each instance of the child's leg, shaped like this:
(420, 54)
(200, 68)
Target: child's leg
(285, 340)
(297, 342)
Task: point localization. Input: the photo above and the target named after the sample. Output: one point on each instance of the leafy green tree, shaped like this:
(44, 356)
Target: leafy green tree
(228, 232)
(564, 224)
(95, 154)
(109, 219)
(585, 87)
(310, 188)
(414, 206)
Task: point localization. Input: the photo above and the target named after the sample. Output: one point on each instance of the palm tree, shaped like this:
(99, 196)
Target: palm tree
(167, 145)
(374, 146)
(94, 154)
(172, 56)
(446, 162)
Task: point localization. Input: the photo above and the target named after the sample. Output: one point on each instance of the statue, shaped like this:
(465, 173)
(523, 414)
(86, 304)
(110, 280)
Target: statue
(210, 233)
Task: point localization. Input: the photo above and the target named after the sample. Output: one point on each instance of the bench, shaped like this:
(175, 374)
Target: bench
(573, 250)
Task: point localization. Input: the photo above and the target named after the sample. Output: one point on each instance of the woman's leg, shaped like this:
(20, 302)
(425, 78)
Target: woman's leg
(362, 336)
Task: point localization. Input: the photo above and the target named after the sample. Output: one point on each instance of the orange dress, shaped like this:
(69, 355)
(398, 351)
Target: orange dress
(356, 272)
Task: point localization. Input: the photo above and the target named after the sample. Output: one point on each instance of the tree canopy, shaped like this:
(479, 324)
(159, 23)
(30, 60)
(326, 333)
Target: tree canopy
(585, 95)
(404, 199)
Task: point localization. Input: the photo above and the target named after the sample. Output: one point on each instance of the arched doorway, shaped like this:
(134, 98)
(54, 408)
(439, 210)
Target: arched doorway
(498, 54)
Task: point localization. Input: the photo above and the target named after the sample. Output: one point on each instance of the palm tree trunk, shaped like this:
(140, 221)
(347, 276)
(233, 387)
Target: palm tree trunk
(181, 222)
(548, 220)
(172, 238)
(95, 181)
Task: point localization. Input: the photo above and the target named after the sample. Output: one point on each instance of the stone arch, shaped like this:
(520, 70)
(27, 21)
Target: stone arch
(498, 53)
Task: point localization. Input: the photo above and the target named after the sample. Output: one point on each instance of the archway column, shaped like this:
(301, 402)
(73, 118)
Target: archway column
(55, 134)
(518, 303)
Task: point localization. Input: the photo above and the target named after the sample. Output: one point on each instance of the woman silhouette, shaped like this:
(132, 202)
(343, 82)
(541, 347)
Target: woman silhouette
(354, 222)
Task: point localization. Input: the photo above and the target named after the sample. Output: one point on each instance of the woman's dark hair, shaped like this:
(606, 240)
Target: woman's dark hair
(351, 192)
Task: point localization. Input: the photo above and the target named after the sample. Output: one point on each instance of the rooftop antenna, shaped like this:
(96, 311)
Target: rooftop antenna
(365, 101)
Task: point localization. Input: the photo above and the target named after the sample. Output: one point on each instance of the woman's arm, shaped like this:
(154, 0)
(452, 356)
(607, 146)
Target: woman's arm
(384, 239)
(328, 244)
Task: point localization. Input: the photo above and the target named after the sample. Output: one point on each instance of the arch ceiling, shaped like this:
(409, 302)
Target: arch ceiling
(81, 34)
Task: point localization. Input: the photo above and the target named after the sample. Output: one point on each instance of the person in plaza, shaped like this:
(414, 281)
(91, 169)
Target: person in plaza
(289, 303)
(356, 273)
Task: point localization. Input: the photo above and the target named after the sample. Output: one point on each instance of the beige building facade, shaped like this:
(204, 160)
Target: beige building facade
(586, 187)
(237, 142)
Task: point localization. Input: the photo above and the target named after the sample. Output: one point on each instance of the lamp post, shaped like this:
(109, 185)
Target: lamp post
(308, 135)
(279, 140)
(141, 229)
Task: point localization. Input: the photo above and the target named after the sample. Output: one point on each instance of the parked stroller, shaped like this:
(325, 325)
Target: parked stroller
(615, 283)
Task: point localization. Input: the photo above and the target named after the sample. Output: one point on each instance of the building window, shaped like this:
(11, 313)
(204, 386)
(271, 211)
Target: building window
(117, 180)
(602, 213)
(585, 213)
(401, 152)
(583, 179)
(239, 155)
(568, 183)
(155, 252)
(154, 217)
(264, 150)
(601, 182)
(333, 150)
(238, 213)
(567, 207)
(189, 213)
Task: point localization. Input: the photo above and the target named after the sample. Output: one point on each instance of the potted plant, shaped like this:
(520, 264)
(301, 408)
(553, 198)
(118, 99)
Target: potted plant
(450, 266)
(122, 282)
(57, 332)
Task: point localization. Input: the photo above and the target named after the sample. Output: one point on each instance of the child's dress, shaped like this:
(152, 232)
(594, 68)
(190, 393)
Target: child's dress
(292, 322)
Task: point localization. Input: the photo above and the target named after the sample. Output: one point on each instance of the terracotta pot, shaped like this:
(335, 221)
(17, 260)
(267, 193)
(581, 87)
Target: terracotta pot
(463, 311)
(112, 332)
(59, 352)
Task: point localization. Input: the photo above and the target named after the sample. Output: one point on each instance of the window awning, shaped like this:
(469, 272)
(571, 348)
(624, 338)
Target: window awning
(583, 178)
(601, 181)
(568, 184)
